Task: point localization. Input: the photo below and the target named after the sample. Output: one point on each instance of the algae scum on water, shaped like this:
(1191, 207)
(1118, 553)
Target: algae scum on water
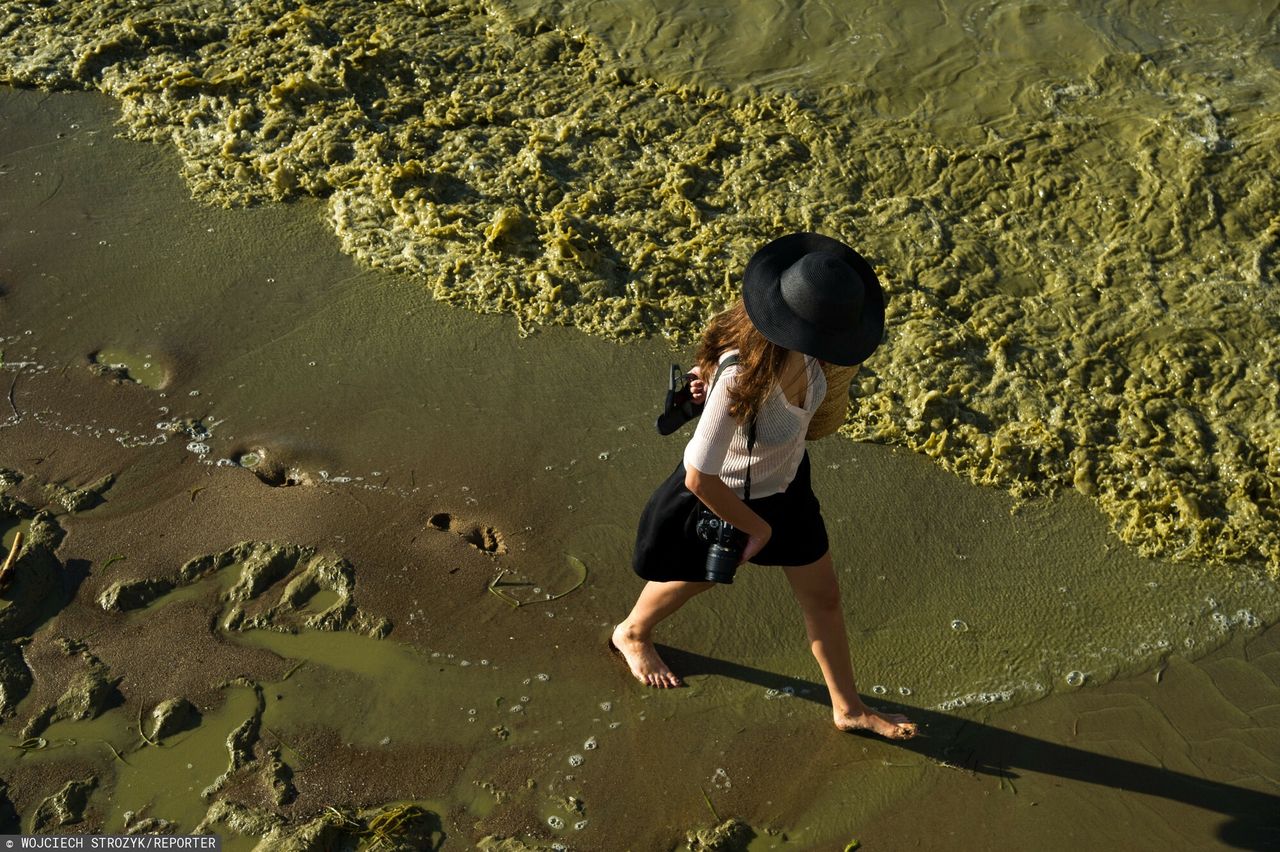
(1082, 288)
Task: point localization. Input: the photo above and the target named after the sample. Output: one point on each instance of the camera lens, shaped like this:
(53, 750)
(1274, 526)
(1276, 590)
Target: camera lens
(722, 564)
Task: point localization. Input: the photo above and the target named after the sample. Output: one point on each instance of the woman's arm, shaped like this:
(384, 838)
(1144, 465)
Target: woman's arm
(706, 452)
(719, 498)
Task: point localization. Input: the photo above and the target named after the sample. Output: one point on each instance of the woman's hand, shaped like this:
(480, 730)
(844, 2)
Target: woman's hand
(717, 497)
(755, 543)
(697, 387)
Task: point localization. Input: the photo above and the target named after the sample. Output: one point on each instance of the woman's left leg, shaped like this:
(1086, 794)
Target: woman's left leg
(818, 594)
(633, 637)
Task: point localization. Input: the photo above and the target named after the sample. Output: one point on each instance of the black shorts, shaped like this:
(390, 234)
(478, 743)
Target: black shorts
(668, 548)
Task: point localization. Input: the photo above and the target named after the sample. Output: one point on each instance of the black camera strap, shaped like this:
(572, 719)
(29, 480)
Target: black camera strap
(731, 361)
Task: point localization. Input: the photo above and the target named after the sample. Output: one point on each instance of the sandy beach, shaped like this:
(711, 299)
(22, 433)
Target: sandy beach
(270, 592)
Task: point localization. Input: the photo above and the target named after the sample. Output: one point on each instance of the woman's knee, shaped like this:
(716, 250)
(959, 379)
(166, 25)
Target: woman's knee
(825, 598)
(815, 585)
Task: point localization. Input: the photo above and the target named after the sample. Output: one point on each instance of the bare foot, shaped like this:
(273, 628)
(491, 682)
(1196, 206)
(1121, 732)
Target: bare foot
(893, 726)
(643, 660)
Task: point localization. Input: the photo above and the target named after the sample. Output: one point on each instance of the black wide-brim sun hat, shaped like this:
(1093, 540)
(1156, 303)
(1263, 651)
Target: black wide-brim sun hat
(816, 295)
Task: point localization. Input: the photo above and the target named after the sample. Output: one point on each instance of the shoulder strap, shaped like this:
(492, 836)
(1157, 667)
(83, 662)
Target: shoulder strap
(731, 361)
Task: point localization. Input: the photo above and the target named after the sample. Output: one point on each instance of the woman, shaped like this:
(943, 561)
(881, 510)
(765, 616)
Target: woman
(806, 299)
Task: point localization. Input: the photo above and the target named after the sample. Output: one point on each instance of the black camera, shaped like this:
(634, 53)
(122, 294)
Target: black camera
(679, 407)
(726, 544)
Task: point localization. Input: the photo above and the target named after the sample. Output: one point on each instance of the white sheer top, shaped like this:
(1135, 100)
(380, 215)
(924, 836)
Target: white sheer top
(719, 444)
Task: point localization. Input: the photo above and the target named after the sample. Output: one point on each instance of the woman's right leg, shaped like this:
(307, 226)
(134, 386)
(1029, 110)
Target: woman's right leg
(818, 593)
(633, 637)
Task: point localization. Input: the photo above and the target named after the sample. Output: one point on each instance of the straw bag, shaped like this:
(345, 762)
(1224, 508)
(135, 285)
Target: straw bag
(831, 413)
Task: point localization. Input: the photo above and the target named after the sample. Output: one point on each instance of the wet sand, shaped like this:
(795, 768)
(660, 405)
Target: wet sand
(437, 452)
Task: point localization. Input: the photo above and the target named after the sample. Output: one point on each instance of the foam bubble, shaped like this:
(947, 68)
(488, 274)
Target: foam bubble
(1075, 678)
(590, 743)
(995, 697)
(575, 760)
(555, 822)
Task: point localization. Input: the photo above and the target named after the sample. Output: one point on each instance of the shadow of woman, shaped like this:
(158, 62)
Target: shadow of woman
(1253, 817)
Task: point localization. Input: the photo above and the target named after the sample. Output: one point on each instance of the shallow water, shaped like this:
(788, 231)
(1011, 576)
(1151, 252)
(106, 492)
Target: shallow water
(1042, 592)
(12, 527)
(1070, 203)
(149, 780)
(950, 65)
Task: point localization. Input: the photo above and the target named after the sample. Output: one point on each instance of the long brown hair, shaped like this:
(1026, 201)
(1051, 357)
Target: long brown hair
(760, 362)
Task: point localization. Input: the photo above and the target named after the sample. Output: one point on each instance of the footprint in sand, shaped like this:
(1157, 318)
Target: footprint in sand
(318, 589)
(124, 367)
(482, 538)
(270, 470)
